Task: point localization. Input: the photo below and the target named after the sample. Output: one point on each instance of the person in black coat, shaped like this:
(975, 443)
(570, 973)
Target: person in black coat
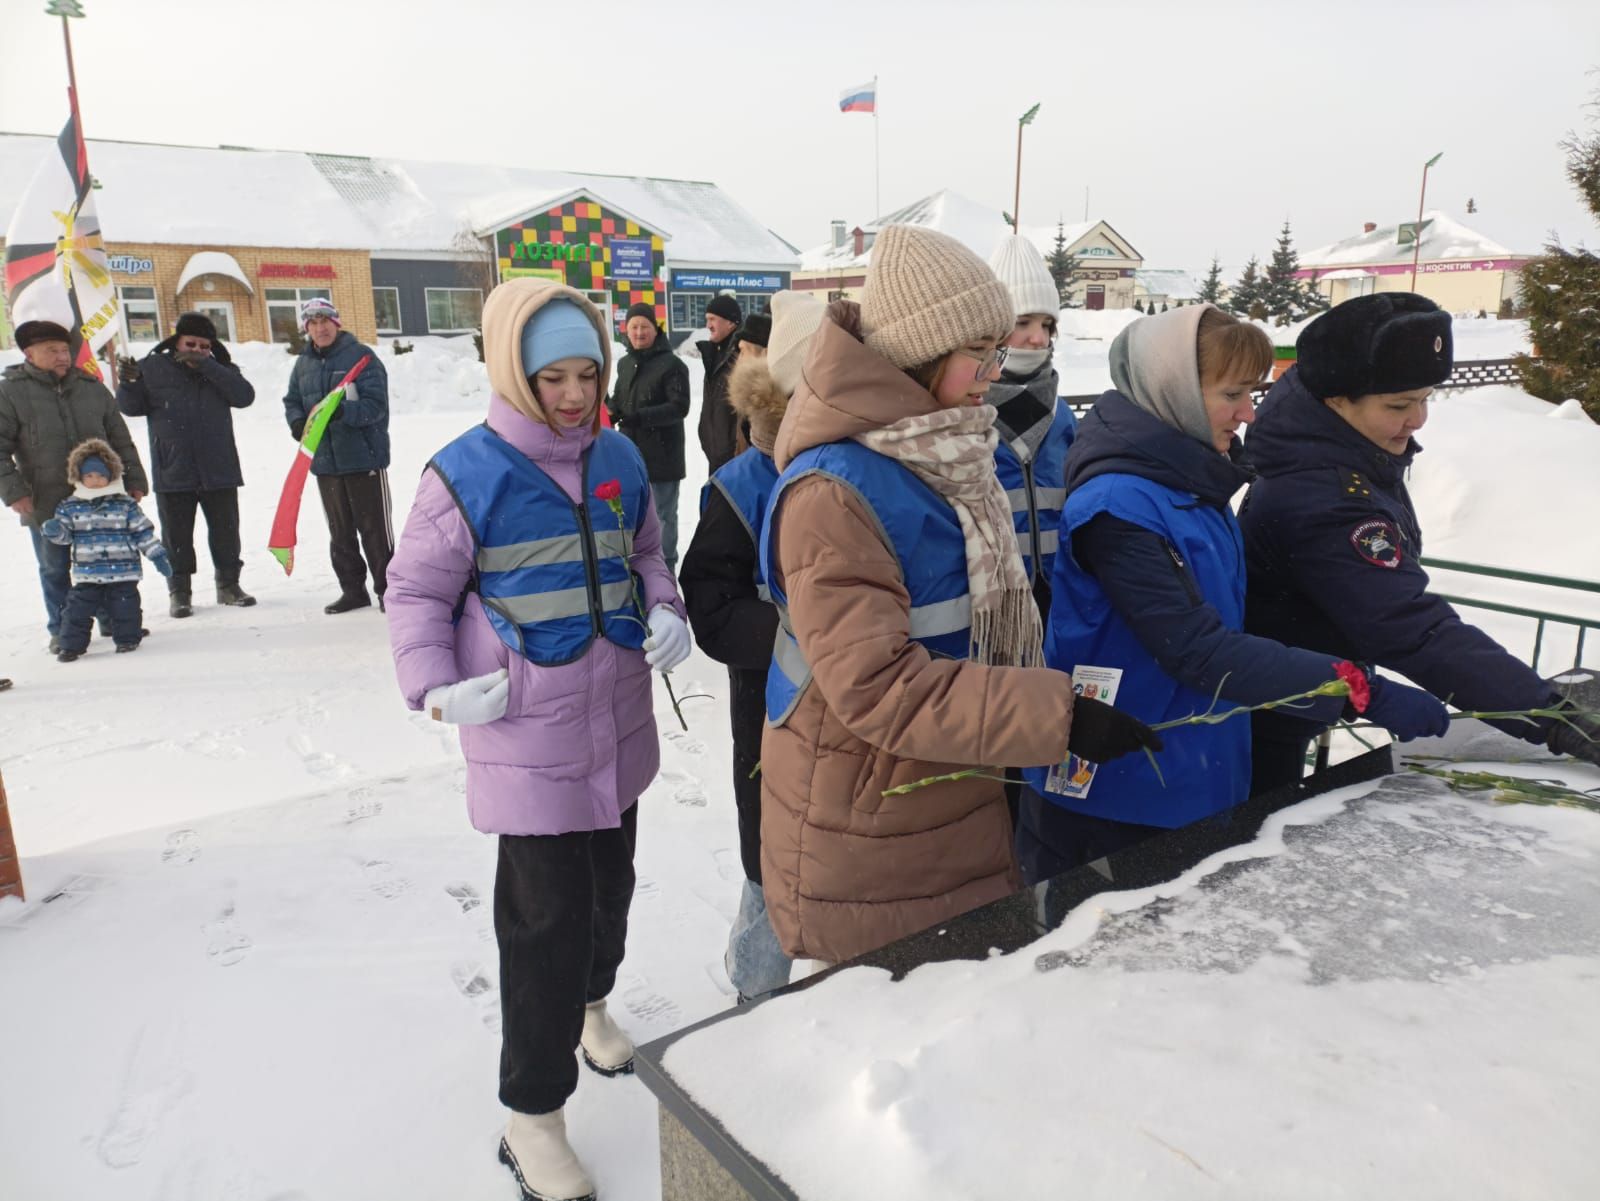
(649, 404)
(719, 424)
(1332, 541)
(188, 387)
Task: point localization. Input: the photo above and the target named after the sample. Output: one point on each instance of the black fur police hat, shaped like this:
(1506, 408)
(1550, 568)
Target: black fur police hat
(1389, 342)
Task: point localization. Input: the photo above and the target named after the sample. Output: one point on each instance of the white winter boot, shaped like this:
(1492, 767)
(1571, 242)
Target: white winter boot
(536, 1150)
(605, 1047)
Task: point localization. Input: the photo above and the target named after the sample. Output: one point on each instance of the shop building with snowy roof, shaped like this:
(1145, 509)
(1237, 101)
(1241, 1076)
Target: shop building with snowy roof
(1458, 268)
(402, 247)
(1105, 261)
(1157, 286)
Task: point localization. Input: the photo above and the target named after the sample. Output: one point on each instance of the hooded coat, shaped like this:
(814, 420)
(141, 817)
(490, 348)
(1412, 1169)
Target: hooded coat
(845, 868)
(578, 742)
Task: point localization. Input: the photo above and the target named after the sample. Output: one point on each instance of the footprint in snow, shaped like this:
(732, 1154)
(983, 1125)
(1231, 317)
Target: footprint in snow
(690, 794)
(729, 865)
(225, 942)
(472, 982)
(650, 1006)
(153, 1083)
(645, 889)
(183, 846)
(363, 805)
(384, 880)
(465, 896)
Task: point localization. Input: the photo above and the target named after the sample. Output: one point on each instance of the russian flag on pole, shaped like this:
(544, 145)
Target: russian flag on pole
(860, 99)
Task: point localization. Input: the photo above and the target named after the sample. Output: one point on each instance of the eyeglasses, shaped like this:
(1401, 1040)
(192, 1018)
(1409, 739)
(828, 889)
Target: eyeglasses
(990, 362)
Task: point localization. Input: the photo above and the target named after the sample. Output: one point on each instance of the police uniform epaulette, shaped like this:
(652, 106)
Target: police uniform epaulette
(1354, 485)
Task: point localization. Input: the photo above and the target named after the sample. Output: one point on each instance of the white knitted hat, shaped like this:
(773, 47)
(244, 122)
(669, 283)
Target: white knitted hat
(1021, 268)
(927, 295)
(795, 317)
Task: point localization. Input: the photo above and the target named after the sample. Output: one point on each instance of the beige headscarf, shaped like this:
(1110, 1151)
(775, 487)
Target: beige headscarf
(1155, 363)
(510, 307)
(952, 451)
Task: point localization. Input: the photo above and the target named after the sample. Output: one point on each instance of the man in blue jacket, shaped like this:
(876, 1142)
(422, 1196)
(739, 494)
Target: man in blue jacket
(352, 463)
(188, 387)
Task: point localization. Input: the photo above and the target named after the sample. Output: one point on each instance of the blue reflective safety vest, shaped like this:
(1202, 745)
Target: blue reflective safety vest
(1205, 768)
(746, 482)
(1036, 488)
(552, 574)
(916, 523)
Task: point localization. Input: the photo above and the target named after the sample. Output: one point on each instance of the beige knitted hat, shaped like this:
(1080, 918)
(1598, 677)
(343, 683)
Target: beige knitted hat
(927, 295)
(1020, 267)
(795, 317)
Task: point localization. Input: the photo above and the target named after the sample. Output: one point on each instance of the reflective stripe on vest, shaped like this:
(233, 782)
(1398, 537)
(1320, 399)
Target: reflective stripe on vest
(548, 597)
(915, 523)
(1038, 517)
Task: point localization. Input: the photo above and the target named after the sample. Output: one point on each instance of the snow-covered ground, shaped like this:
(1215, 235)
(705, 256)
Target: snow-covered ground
(257, 959)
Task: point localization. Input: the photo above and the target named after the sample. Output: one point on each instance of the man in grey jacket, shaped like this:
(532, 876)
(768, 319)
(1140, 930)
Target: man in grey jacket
(48, 406)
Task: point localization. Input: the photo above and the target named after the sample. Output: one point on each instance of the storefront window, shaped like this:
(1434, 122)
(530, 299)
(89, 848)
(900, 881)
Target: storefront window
(220, 313)
(141, 317)
(386, 303)
(454, 310)
(689, 308)
(283, 309)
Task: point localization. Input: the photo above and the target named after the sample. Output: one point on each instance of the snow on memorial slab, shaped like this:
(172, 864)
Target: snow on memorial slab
(1389, 994)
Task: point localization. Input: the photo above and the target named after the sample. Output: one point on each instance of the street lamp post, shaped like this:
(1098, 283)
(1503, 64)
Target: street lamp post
(1416, 234)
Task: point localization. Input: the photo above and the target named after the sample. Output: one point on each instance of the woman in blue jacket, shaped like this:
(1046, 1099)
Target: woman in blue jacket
(1332, 541)
(1149, 588)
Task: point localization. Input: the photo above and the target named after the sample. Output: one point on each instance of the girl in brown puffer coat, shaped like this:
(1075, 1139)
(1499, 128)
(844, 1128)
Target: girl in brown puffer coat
(909, 643)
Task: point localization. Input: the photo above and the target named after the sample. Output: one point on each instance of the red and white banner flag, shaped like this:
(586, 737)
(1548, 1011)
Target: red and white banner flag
(55, 255)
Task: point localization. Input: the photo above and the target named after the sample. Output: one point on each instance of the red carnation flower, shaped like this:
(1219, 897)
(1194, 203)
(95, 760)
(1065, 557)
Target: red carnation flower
(608, 491)
(1356, 680)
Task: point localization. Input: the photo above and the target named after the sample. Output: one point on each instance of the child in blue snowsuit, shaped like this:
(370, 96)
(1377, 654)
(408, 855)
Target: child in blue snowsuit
(107, 533)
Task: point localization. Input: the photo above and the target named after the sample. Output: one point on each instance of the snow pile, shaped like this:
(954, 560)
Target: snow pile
(1388, 995)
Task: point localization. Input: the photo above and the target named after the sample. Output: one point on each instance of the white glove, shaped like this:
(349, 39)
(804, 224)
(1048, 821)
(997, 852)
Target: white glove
(668, 644)
(473, 702)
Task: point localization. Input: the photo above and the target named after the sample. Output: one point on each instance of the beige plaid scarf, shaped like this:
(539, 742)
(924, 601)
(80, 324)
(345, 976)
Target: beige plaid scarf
(952, 451)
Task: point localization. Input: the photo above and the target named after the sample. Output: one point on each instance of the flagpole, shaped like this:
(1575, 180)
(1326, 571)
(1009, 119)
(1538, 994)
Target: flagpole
(877, 162)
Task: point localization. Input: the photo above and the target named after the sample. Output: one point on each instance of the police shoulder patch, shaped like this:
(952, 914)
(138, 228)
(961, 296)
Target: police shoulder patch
(1378, 542)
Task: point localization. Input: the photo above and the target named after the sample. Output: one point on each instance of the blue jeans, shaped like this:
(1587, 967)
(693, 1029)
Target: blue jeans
(756, 963)
(55, 576)
(666, 496)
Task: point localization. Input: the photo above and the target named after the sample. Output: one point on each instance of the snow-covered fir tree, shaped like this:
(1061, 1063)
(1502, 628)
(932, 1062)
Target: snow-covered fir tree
(1561, 291)
(1061, 265)
(1247, 300)
(1211, 290)
(1286, 298)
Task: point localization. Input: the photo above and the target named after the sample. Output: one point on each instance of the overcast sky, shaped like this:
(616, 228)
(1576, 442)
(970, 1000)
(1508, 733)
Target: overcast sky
(1196, 128)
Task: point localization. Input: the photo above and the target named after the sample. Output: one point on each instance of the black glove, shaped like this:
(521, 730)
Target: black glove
(127, 369)
(1577, 736)
(1101, 732)
(297, 428)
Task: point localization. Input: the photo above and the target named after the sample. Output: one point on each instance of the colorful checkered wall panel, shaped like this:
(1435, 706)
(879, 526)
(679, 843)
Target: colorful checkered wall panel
(572, 243)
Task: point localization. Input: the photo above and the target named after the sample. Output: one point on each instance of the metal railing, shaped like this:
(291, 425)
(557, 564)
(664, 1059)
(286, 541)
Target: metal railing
(1473, 373)
(1541, 617)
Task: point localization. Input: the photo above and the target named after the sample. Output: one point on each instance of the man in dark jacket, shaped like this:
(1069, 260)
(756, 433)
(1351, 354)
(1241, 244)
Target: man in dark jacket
(352, 463)
(649, 403)
(188, 388)
(719, 424)
(47, 407)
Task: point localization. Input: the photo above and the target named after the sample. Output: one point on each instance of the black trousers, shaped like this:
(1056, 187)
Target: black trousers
(84, 601)
(1278, 747)
(358, 509)
(561, 918)
(1052, 840)
(221, 507)
(747, 701)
